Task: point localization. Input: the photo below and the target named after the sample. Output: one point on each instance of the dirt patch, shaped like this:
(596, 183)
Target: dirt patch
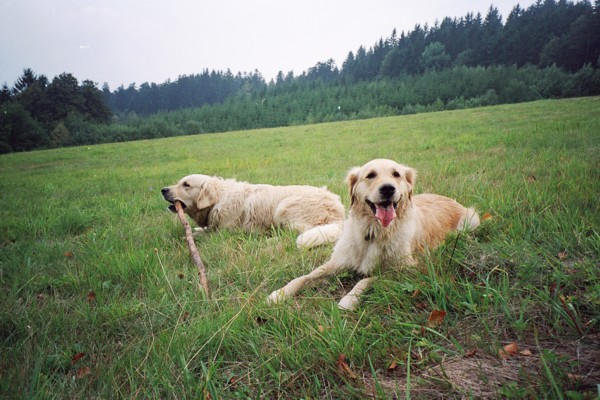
(575, 364)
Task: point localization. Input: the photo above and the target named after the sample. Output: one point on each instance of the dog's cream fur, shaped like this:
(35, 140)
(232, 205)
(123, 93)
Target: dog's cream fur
(414, 222)
(226, 203)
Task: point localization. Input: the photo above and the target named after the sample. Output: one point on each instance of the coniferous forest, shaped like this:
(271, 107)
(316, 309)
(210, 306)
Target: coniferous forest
(548, 50)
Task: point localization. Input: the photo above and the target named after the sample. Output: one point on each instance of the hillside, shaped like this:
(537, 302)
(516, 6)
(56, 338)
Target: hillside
(98, 297)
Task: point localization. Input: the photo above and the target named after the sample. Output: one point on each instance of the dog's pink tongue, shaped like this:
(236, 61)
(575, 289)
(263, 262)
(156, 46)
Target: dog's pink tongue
(385, 215)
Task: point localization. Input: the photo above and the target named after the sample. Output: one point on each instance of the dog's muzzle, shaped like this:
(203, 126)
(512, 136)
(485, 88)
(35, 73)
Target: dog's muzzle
(166, 192)
(384, 209)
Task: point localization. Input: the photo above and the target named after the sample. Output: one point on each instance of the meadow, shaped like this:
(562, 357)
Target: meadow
(99, 298)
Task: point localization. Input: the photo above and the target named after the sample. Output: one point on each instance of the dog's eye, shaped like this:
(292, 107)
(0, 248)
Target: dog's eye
(185, 184)
(396, 174)
(371, 175)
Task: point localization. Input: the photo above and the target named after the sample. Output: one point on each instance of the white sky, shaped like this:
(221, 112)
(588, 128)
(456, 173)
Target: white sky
(124, 41)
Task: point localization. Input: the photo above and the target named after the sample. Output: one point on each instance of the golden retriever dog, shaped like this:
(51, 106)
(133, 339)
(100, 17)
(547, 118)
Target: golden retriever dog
(386, 224)
(213, 202)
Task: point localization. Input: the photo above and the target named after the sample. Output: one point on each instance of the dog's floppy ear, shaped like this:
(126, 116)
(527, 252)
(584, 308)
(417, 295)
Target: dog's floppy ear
(411, 176)
(207, 197)
(351, 180)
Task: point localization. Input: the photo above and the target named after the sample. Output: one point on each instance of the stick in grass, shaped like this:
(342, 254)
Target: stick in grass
(193, 250)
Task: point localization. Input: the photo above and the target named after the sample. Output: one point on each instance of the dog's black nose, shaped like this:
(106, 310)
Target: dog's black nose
(164, 191)
(387, 190)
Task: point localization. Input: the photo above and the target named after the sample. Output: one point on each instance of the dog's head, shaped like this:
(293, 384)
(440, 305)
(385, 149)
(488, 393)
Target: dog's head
(197, 193)
(381, 188)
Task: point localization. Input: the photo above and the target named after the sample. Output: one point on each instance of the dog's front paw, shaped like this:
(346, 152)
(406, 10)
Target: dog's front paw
(276, 297)
(348, 303)
(199, 231)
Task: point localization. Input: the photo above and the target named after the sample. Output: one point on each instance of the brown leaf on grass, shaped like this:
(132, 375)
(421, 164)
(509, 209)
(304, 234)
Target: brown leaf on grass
(393, 365)
(436, 317)
(574, 377)
(180, 275)
(471, 353)
(233, 381)
(83, 371)
(68, 254)
(91, 296)
(415, 293)
(508, 351)
(321, 328)
(344, 368)
(77, 357)
(525, 352)
(531, 178)
(486, 216)
(562, 255)
(185, 316)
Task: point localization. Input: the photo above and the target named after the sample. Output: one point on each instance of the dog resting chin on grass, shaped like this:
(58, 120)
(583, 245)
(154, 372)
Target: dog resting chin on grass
(213, 203)
(386, 224)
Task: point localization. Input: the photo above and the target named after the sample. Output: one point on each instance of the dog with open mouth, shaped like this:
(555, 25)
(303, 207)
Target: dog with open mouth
(213, 203)
(386, 224)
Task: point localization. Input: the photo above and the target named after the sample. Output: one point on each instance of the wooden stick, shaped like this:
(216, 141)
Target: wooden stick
(193, 250)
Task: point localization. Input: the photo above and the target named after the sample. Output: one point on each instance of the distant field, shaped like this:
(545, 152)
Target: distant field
(92, 263)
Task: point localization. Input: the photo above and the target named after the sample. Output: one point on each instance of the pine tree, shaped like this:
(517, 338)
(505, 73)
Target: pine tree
(24, 81)
(5, 94)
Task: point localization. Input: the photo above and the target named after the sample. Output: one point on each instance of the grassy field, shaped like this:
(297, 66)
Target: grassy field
(99, 298)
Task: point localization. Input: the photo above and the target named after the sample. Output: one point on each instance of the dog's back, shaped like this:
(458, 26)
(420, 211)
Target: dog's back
(437, 216)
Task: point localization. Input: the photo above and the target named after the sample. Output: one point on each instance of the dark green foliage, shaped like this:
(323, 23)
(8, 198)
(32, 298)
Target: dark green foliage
(93, 103)
(18, 130)
(435, 57)
(187, 91)
(60, 135)
(37, 114)
(4, 94)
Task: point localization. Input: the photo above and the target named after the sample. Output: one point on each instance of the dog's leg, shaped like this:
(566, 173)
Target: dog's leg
(350, 300)
(319, 234)
(469, 221)
(289, 290)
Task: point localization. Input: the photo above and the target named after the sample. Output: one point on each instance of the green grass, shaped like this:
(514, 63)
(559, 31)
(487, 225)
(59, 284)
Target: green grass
(91, 219)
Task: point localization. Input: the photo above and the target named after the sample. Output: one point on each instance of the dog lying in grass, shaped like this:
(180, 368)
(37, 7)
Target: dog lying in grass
(386, 224)
(213, 202)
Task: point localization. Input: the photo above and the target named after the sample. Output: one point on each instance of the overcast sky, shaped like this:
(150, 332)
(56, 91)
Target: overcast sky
(124, 41)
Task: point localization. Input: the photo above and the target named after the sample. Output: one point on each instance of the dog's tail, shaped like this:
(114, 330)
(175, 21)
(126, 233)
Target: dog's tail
(319, 235)
(469, 221)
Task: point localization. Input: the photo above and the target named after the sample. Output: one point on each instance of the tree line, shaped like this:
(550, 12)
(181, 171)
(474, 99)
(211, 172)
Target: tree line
(435, 90)
(208, 87)
(551, 49)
